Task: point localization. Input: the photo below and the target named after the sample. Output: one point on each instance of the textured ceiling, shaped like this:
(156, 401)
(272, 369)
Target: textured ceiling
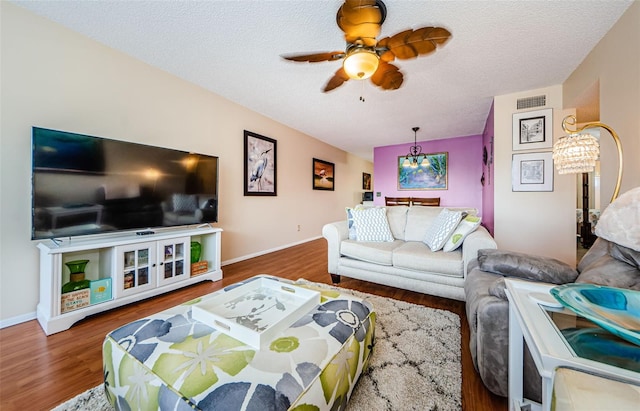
(233, 48)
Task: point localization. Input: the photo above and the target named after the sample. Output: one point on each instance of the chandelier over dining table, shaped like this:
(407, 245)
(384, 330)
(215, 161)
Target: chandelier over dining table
(412, 159)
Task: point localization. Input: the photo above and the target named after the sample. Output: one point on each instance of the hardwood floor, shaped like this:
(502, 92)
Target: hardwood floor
(39, 372)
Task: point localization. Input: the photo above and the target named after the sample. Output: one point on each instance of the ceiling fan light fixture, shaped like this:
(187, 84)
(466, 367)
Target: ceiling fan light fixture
(360, 63)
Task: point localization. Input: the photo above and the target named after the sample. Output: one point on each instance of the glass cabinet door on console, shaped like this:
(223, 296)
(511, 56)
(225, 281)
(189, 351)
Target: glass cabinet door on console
(135, 268)
(174, 260)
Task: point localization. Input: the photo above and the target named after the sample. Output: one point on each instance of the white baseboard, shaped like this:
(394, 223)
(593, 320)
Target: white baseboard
(17, 320)
(32, 316)
(259, 253)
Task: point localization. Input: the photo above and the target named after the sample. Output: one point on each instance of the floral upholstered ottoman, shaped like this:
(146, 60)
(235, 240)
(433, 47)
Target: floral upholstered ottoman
(170, 361)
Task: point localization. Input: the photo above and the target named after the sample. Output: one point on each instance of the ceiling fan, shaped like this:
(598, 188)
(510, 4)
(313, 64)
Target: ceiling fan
(365, 56)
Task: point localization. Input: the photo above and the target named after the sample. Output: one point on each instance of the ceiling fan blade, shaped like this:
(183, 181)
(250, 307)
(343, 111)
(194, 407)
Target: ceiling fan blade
(361, 20)
(412, 43)
(315, 57)
(336, 81)
(387, 76)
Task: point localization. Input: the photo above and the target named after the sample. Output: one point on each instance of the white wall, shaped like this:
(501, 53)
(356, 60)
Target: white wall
(544, 223)
(615, 64)
(540, 223)
(54, 78)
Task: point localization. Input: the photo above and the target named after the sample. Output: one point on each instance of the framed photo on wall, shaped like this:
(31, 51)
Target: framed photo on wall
(432, 174)
(533, 130)
(260, 165)
(323, 175)
(366, 181)
(532, 172)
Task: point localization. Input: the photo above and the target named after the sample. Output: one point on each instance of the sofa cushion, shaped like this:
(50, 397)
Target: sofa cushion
(418, 221)
(624, 254)
(416, 256)
(441, 229)
(371, 224)
(468, 225)
(531, 267)
(397, 217)
(378, 253)
(611, 272)
(599, 248)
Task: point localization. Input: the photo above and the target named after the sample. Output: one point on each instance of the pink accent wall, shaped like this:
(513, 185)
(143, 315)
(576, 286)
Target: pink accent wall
(488, 188)
(465, 169)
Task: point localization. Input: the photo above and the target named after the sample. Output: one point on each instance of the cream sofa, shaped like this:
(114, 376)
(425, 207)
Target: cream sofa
(406, 262)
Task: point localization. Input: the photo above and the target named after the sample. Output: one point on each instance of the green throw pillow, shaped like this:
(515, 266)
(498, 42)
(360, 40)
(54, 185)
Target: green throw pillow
(468, 225)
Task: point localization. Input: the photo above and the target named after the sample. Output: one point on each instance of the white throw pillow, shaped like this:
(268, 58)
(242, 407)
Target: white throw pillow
(468, 225)
(441, 229)
(371, 224)
(352, 226)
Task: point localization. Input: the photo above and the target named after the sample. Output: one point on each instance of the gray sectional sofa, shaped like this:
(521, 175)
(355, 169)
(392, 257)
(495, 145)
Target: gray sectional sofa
(405, 262)
(613, 260)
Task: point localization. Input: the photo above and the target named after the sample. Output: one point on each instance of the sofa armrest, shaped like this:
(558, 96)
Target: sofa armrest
(334, 233)
(475, 241)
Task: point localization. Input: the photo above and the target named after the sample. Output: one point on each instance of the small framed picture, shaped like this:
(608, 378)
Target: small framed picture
(532, 172)
(366, 181)
(260, 165)
(323, 175)
(533, 130)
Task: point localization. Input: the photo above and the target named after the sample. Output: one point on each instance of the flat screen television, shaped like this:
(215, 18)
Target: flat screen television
(85, 185)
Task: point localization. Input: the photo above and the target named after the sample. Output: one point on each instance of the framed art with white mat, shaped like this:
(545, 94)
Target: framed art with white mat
(533, 130)
(532, 172)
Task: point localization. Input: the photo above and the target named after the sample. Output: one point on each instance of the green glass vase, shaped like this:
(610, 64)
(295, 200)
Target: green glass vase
(196, 250)
(77, 280)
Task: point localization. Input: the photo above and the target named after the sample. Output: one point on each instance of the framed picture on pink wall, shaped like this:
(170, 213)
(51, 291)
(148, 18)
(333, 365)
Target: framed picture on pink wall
(426, 172)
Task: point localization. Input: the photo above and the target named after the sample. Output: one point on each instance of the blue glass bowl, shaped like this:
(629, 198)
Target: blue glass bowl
(617, 310)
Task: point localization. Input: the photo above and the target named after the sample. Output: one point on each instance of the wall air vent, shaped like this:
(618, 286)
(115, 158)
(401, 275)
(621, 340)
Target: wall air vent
(531, 102)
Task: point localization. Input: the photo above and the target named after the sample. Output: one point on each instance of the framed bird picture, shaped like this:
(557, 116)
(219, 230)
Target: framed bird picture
(260, 165)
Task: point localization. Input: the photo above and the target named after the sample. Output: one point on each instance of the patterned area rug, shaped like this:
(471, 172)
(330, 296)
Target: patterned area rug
(416, 363)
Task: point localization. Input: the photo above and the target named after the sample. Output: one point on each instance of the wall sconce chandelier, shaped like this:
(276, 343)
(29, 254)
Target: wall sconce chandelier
(415, 151)
(577, 152)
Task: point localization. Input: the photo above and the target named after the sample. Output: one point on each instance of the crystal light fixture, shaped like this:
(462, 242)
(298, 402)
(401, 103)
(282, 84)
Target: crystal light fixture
(415, 151)
(578, 152)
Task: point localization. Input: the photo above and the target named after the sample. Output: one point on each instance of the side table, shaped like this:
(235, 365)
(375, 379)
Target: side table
(539, 324)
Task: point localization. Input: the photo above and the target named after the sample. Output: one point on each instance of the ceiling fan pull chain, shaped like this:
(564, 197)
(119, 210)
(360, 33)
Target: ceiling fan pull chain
(362, 93)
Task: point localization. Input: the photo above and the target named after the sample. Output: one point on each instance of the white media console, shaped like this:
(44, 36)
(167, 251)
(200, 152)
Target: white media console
(124, 268)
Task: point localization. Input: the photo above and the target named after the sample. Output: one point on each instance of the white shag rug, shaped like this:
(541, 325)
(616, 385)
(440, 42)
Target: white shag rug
(416, 362)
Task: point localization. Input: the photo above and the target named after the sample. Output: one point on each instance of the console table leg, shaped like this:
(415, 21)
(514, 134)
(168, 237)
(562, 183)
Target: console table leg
(335, 278)
(516, 361)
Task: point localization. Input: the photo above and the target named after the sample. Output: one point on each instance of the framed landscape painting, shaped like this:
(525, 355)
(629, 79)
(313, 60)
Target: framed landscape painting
(429, 175)
(323, 175)
(259, 165)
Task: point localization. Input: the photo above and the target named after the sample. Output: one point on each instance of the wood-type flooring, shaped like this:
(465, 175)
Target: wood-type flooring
(39, 372)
